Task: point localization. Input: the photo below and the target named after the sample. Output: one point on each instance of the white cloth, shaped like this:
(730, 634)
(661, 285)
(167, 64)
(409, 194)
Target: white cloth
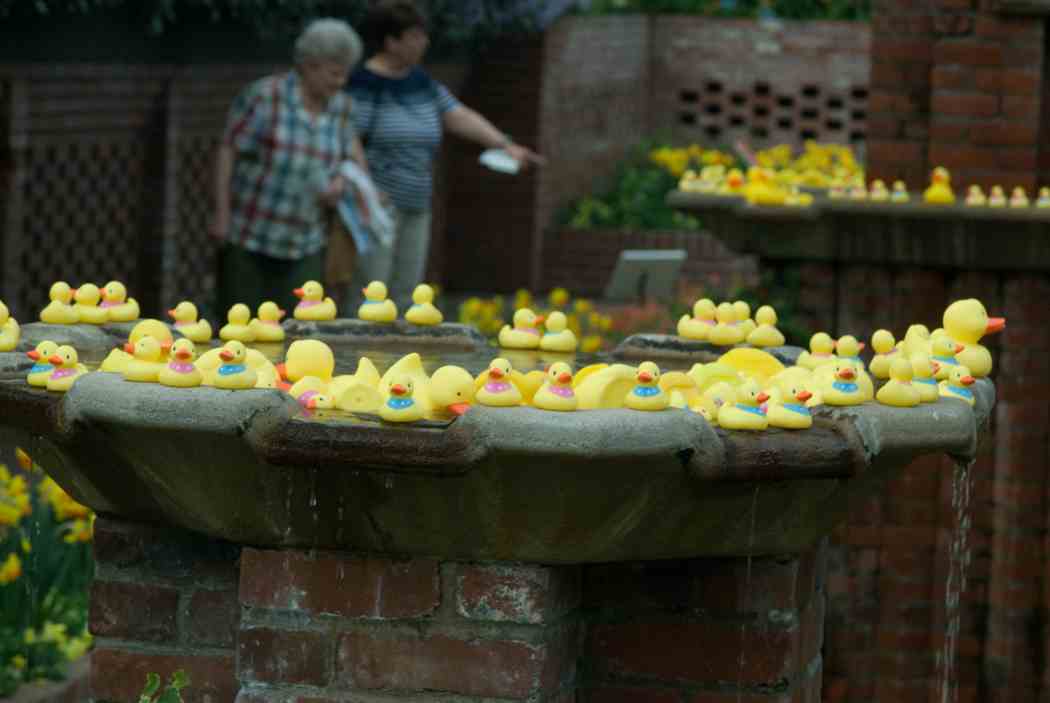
(366, 217)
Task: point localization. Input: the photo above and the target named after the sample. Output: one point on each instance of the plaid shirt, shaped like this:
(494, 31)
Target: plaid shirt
(283, 158)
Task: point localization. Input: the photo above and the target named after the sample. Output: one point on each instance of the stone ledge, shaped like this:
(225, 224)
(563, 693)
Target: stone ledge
(448, 335)
(73, 689)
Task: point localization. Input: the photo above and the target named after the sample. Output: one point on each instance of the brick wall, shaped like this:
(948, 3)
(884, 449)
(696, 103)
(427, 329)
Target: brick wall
(277, 626)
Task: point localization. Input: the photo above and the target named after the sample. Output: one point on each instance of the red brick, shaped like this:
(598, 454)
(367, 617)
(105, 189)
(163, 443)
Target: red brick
(339, 585)
(1003, 133)
(626, 694)
(213, 618)
(118, 675)
(406, 660)
(1013, 81)
(283, 656)
(133, 611)
(968, 52)
(895, 152)
(1013, 28)
(917, 51)
(1021, 108)
(667, 651)
(965, 104)
(942, 130)
(952, 78)
(524, 594)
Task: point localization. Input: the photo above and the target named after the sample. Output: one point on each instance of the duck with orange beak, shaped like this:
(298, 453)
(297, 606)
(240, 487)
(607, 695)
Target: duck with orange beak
(556, 392)
(42, 368)
(840, 387)
(180, 372)
(957, 385)
(452, 390)
(235, 374)
(647, 394)
(498, 391)
(747, 413)
(525, 333)
(400, 407)
(67, 369)
(967, 321)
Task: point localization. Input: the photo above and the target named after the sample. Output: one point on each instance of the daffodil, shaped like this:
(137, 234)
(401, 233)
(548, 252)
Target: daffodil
(591, 343)
(23, 459)
(27, 547)
(582, 306)
(76, 647)
(80, 530)
(11, 569)
(558, 298)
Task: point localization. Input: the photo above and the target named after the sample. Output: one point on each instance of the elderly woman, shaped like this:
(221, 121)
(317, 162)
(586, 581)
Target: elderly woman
(401, 114)
(277, 169)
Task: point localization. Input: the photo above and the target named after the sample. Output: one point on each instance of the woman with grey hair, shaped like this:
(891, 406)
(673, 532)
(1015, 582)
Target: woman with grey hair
(277, 172)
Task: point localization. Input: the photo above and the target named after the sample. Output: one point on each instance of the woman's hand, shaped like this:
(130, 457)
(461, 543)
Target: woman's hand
(524, 156)
(331, 195)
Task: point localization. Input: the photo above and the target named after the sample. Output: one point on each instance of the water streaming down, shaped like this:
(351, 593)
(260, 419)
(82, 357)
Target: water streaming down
(742, 660)
(955, 585)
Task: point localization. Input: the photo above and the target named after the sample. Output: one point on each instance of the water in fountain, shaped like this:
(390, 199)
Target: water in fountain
(955, 586)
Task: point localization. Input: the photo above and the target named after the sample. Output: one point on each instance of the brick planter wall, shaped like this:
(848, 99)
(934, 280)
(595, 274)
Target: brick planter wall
(284, 626)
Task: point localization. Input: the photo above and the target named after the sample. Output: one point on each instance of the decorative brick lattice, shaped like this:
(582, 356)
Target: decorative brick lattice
(762, 113)
(192, 252)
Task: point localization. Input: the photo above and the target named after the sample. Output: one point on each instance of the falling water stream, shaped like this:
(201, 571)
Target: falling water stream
(742, 660)
(955, 585)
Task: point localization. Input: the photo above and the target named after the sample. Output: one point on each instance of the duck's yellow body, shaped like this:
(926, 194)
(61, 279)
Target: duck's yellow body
(376, 306)
(423, 311)
(185, 316)
(234, 374)
(899, 391)
(87, 298)
(267, 325)
(498, 390)
(746, 412)
(556, 393)
(647, 394)
(525, 333)
(238, 325)
(558, 337)
(698, 325)
(180, 371)
(42, 369)
(10, 332)
(118, 306)
(60, 310)
(313, 305)
(67, 369)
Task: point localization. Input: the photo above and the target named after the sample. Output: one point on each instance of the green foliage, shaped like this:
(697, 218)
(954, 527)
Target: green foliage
(171, 693)
(786, 9)
(634, 199)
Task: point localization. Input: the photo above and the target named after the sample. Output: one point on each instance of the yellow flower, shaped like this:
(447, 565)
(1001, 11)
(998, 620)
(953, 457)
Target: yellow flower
(29, 636)
(80, 530)
(18, 662)
(27, 547)
(9, 514)
(54, 632)
(23, 459)
(77, 646)
(591, 343)
(11, 569)
(522, 299)
(582, 306)
(558, 297)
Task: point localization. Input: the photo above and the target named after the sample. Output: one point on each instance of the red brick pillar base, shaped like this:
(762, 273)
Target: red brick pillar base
(289, 626)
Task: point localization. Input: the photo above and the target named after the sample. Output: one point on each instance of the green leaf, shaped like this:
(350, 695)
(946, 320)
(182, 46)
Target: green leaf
(180, 679)
(152, 685)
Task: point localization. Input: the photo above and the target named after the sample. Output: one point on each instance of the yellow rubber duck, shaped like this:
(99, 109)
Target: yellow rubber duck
(743, 318)
(922, 379)
(746, 412)
(451, 390)
(680, 388)
(699, 324)
(761, 189)
(849, 347)
(238, 325)
(713, 398)
(118, 359)
(10, 332)
(900, 193)
(821, 351)
(314, 394)
(878, 193)
(400, 406)
(943, 351)
(940, 189)
(180, 372)
(87, 298)
(884, 346)
(42, 368)
(148, 358)
(309, 357)
(967, 321)
(787, 407)
(358, 392)
(313, 305)
(557, 336)
(60, 310)
(647, 394)
(733, 184)
(899, 391)
(1019, 198)
(840, 387)
(118, 306)
(802, 377)
(67, 369)
(727, 331)
(957, 385)
(858, 192)
(556, 392)
(1043, 201)
(997, 198)
(376, 306)
(975, 197)
(185, 317)
(423, 311)
(766, 333)
(234, 374)
(498, 391)
(524, 334)
(604, 387)
(916, 340)
(410, 365)
(267, 326)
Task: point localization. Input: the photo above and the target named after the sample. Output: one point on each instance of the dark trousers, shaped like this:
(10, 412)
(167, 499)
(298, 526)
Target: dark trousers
(251, 278)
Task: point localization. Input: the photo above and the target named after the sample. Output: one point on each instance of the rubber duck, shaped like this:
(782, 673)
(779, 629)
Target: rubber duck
(556, 392)
(821, 351)
(647, 394)
(10, 332)
(680, 388)
(849, 347)
(997, 198)
(524, 334)
(67, 369)
(957, 385)
(267, 326)
(238, 325)
(733, 184)
(376, 306)
(185, 317)
(899, 391)
(726, 332)
(316, 398)
(234, 374)
(118, 306)
(557, 336)
(746, 412)
(410, 365)
(900, 193)
(498, 391)
(60, 310)
(858, 192)
(840, 387)
(87, 298)
(266, 374)
(837, 192)
(922, 379)
(879, 193)
(604, 387)
(884, 346)
(313, 305)
(118, 359)
(743, 318)
(423, 311)
(916, 340)
(760, 188)
(967, 321)
(798, 198)
(801, 377)
(706, 375)
(766, 333)
(147, 362)
(1019, 198)
(943, 351)
(940, 190)
(309, 357)
(451, 390)
(357, 392)
(975, 197)
(400, 406)
(42, 368)
(713, 398)
(787, 408)
(180, 372)
(1043, 201)
(699, 324)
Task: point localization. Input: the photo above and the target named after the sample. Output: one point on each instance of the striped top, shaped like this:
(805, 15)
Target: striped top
(283, 158)
(400, 121)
